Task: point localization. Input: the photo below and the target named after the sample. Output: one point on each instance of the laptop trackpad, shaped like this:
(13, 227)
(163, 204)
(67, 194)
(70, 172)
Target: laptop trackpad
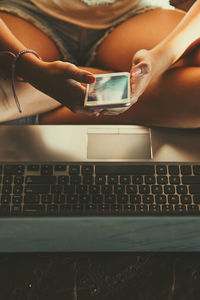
(120, 146)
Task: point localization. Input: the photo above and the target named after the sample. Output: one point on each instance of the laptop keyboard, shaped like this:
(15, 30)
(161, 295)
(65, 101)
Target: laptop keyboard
(99, 189)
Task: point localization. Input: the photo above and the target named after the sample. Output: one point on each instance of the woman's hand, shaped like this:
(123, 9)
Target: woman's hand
(62, 81)
(141, 73)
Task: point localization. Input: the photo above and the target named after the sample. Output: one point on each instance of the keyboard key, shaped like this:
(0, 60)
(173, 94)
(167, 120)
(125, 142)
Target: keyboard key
(7, 179)
(150, 179)
(32, 198)
(136, 199)
(33, 209)
(40, 179)
(186, 199)
(75, 179)
(180, 208)
(173, 169)
(106, 189)
(46, 170)
(137, 179)
(82, 189)
(18, 189)
(35, 167)
(122, 199)
(109, 198)
(116, 208)
(18, 179)
(173, 199)
(84, 198)
(88, 179)
(196, 199)
(60, 168)
(94, 189)
(141, 208)
(87, 170)
(196, 169)
(5, 199)
(131, 189)
(56, 188)
(186, 170)
(125, 179)
(119, 189)
(144, 189)
(74, 169)
(169, 189)
(125, 169)
(168, 208)
(59, 198)
(161, 169)
(104, 207)
(155, 208)
(63, 179)
(181, 189)
(160, 199)
(17, 199)
(193, 208)
(194, 189)
(174, 180)
(69, 189)
(100, 179)
(37, 189)
(52, 208)
(4, 210)
(191, 179)
(156, 189)
(147, 199)
(47, 199)
(14, 169)
(72, 199)
(112, 179)
(97, 199)
(6, 189)
(162, 180)
(16, 209)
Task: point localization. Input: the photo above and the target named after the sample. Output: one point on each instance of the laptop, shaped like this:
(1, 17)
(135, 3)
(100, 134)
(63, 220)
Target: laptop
(113, 151)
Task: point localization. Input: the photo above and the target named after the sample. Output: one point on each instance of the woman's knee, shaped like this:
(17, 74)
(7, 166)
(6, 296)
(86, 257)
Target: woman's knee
(143, 31)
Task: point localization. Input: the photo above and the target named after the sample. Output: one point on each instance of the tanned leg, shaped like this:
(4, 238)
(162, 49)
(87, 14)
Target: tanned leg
(32, 101)
(172, 99)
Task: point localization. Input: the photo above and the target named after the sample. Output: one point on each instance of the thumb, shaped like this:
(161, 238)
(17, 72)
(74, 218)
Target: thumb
(80, 75)
(140, 69)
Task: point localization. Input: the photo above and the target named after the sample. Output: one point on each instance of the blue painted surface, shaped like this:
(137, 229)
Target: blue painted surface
(85, 234)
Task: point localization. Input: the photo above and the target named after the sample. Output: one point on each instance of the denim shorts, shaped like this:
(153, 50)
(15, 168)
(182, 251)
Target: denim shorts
(76, 44)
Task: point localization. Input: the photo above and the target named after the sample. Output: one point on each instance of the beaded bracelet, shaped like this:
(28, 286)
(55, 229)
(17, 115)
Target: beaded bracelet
(15, 58)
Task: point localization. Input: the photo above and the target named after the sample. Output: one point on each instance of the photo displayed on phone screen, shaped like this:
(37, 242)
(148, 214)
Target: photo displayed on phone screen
(109, 89)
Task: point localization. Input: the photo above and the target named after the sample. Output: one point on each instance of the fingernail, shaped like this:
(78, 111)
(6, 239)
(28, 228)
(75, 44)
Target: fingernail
(133, 99)
(96, 114)
(90, 78)
(136, 72)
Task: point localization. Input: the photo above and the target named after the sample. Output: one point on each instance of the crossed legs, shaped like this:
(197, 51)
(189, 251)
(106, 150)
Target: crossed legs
(171, 100)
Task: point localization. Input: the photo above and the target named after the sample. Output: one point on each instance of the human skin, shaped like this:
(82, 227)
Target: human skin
(179, 83)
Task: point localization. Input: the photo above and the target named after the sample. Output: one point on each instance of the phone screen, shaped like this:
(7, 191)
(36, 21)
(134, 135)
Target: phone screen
(112, 89)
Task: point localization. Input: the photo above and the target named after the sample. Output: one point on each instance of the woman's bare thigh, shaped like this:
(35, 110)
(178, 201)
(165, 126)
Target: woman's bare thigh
(31, 37)
(143, 31)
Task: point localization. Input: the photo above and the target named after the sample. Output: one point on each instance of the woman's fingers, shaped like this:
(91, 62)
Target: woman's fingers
(73, 72)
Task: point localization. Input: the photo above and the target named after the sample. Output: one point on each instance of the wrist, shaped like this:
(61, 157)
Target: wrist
(27, 66)
(162, 58)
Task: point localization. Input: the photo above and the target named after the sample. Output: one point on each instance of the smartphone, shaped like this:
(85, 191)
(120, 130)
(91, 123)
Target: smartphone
(109, 90)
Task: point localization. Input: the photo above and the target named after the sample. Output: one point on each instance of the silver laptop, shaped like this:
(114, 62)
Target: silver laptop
(99, 144)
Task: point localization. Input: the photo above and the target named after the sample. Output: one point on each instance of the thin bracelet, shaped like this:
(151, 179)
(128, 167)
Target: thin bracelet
(16, 57)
